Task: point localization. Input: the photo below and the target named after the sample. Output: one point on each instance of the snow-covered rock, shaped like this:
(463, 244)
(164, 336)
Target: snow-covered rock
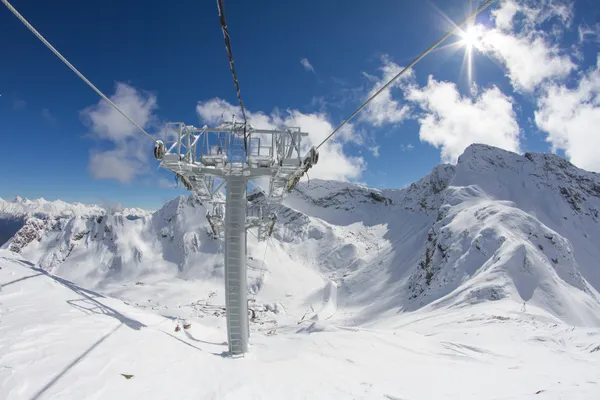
(17, 213)
(496, 227)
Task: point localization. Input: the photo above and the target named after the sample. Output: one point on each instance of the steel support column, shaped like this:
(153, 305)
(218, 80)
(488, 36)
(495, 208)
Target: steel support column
(236, 291)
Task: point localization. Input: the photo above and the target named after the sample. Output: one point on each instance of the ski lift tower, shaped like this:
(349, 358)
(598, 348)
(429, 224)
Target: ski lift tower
(206, 159)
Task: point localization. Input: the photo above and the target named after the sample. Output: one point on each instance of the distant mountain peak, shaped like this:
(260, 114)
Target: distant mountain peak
(42, 208)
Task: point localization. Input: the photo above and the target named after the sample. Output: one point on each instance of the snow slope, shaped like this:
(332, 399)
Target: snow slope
(59, 340)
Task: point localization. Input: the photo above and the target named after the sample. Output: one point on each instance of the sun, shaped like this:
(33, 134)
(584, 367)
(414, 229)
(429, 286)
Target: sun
(470, 38)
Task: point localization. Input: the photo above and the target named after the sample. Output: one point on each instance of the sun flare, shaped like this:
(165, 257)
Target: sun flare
(470, 38)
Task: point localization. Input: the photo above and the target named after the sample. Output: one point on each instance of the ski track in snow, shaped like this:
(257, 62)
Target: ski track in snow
(479, 281)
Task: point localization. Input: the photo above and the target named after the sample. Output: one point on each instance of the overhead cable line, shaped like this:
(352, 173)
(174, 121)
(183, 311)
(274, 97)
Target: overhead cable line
(232, 65)
(68, 64)
(409, 66)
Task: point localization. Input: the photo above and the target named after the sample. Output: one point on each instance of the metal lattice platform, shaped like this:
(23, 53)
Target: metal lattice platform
(208, 160)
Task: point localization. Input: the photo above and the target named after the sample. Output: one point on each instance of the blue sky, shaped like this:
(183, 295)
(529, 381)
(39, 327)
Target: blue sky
(169, 61)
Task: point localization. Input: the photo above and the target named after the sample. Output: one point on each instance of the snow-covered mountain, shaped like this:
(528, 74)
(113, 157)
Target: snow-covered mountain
(498, 226)
(479, 274)
(44, 209)
(16, 213)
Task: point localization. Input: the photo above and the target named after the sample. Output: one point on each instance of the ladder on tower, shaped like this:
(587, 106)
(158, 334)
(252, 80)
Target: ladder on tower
(235, 265)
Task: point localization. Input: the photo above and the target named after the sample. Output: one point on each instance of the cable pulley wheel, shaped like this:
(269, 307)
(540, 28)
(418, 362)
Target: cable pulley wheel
(159, 149)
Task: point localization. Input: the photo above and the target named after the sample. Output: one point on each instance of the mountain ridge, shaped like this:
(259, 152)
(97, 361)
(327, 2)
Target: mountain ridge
(495, 226)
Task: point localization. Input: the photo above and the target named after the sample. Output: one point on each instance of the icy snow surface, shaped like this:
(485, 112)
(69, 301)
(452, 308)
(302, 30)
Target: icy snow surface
(479, 281)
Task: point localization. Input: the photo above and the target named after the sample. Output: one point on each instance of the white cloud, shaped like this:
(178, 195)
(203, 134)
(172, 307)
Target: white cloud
(374, 150)
(47, 115)
(19, 105)
(505, 14)
(384, 109)
(107, 123)
(407, 147)
(115, 164)
(216, 110)
(571, 117)
(530, 13)
(333, 162)
(526, 51)
(530, 59)
(129, 156)
(526, 40)
(112, 207)
(589, 33)
(166, 183)
(453, 122)
(307, 65)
